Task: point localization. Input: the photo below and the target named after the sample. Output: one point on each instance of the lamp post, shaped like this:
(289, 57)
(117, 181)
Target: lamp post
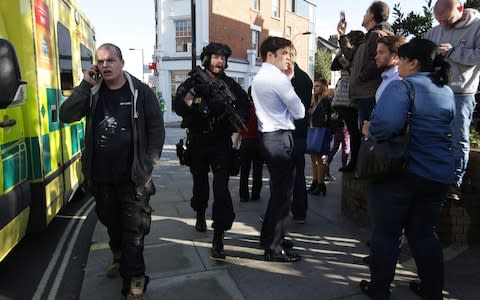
(301, 33)
(143, 62)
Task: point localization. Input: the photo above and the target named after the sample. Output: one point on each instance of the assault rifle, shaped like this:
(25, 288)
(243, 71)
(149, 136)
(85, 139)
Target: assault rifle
(219, 93)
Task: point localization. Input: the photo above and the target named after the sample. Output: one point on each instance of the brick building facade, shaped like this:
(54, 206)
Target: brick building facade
(243, 25)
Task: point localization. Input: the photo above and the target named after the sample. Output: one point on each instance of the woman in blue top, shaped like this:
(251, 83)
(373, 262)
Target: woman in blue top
(412, 202)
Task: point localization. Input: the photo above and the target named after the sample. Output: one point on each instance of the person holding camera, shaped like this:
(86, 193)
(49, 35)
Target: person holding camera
(211, 105)
(123, 141)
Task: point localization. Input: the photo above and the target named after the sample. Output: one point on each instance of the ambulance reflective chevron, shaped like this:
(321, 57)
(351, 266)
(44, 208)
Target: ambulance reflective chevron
(44, 46)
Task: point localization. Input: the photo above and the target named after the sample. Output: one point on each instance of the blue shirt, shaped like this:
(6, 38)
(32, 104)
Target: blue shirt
(276, 103)
(387, 77)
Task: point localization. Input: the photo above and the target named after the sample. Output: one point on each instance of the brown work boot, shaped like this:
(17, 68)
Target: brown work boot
(113, 270)
(136, 288)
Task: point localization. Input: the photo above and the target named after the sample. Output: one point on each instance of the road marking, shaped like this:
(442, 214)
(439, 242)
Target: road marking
(87, 207)
(72, 217)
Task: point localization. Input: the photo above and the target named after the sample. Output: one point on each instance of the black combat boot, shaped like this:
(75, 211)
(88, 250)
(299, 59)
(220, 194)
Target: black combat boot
(217, 244)
(201, 224)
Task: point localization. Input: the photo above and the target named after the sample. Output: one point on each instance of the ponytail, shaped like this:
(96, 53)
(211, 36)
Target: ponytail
(441, 70)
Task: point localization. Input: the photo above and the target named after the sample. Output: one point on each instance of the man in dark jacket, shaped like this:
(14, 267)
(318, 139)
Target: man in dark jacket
(365, 76)
(303, 86)
(212, 106)
(124, 140)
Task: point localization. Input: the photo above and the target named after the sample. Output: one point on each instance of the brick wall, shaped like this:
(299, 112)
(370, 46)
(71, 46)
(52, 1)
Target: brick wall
(459, 222)
(230, 24)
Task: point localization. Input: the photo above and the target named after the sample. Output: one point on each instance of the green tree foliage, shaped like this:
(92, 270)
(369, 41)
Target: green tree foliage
(413, 23)
(323, 60)
(472, 4)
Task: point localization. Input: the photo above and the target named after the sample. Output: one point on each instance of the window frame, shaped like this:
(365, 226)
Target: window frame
(184, 39)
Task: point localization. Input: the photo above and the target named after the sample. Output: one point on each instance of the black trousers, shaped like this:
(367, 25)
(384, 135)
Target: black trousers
(300, 199)
(250, 155)
(213, 153)
(277, 149)
(127, 215)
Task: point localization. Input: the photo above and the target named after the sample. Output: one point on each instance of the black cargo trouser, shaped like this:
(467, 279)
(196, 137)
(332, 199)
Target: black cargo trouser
(127, 215)
(213, 152)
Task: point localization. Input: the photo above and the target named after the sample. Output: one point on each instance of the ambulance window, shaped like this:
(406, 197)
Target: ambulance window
(87, 57)
(65, 57)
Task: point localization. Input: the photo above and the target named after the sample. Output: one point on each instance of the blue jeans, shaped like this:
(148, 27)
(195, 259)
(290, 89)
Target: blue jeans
(365, 107)
(413, 204)
(464, 106)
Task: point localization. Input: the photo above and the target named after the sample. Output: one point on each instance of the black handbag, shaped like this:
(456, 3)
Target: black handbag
(383, 159)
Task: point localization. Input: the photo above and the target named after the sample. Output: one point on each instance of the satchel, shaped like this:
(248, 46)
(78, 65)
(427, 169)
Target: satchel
(377, 160)
(383, 159)
(341, 97)
(318, 140)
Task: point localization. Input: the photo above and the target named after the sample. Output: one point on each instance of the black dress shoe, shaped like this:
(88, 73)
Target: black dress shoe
(365, 288)
(366, 260)
(201, 224)
(312, 186)
(282, 256)
(417, 289)
(287, 244)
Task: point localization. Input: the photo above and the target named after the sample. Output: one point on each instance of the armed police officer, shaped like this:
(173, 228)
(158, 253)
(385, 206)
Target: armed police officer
(212, 106)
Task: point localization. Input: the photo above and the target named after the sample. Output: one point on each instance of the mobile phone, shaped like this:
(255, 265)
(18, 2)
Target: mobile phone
(96, 75)
(342, 16)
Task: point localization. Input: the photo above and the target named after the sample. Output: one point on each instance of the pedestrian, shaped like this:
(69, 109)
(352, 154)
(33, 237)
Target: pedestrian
(208, 101)
(319, 115)
(341, 138)
(124, 140)
(341, 102)
(364, 74)
(250, 156)
(412, 201)
(457, 39)
(302, 84)
(387, 60)
(277, 106)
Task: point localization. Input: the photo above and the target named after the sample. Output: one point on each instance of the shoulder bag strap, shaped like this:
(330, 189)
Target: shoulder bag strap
(411, 97)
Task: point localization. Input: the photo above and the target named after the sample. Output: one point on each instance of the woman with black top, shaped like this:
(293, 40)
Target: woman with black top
(319, 111)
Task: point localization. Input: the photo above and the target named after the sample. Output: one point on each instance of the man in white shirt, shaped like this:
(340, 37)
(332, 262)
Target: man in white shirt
(277, 106)
(387, 60)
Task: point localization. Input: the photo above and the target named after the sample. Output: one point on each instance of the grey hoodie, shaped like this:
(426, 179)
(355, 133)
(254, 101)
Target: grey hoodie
(464, 57)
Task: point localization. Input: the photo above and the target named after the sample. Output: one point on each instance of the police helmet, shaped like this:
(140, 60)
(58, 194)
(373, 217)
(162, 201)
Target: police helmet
(214, 48)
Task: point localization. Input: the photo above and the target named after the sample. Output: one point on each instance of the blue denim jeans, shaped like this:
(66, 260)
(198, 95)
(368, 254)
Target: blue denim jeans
(464, 106)
(413, 204)
(365, 107)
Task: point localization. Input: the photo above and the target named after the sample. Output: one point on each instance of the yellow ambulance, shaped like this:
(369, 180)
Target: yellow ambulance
(44, 46)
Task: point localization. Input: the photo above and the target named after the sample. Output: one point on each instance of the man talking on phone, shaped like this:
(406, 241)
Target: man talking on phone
(123, 141)
(277, 106)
